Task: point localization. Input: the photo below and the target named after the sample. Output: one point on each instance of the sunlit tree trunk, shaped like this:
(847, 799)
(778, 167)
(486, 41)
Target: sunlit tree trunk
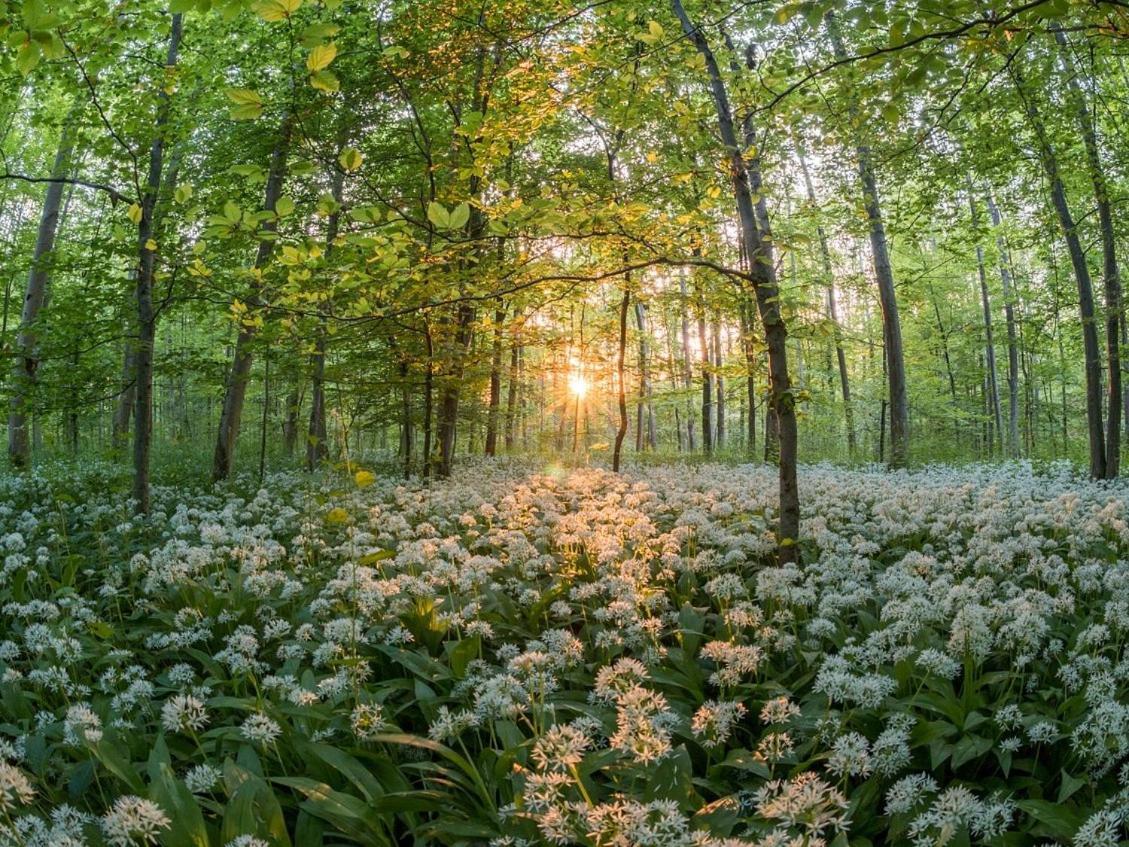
(757, 242)
(494, 412)
(645, 436)
(621, 385)
(687, 368)
(235, 389)
(719, 384)
(707, 379)
(511, 395)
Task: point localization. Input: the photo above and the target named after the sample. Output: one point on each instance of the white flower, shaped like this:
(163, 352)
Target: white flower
(183, 713)
(367, 720)
(15, 788)
(260, 729)
(134, 820)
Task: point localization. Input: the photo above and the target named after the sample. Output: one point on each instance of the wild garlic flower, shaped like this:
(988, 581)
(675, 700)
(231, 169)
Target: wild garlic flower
(133, 821)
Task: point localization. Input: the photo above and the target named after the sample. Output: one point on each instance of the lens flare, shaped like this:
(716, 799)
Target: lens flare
(578, 385)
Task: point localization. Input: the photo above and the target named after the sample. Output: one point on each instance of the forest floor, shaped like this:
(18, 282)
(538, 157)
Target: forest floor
(530, 655)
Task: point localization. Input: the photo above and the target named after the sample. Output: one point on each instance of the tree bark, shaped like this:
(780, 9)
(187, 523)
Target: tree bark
(146, 270)
(986, 306)
(884, 276)
(1012, 343)
(719, 385)
(511, 395)
(494, 411)
(1111, 274)
(1091, 350)
(25, 365)
(235, 390)
(707, 379)
(621, 389)
(832, 311)
(317, 433)
(757, 243)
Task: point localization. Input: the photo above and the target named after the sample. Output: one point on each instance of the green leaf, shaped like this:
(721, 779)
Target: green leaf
(321, 57)
(459, 216)
(325, 81)
(284, 206)
(438, 215)
(27, 57)
(350, 159)
(248, 103)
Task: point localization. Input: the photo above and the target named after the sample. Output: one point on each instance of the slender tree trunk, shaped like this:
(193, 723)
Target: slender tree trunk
(451, 389)
(428, 399)
(749, 345)
(645, 423)
(511, 395)
(687, 369)
(235, 390)
(1091, 349)
(884, 275)
(985, 303)
(757, 242)
(495, 384)
(1012, 343)
(719, 384)
(317, 433)
(707, 380)
(621, 389)
(1111, 274)
(832, 311)
(146, 316)
(407, 436)
(25, 364)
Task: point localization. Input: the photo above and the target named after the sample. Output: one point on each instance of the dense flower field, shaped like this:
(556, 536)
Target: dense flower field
(520, 657)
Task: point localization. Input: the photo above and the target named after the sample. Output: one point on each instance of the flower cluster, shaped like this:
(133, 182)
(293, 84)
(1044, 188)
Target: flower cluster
(523, 655)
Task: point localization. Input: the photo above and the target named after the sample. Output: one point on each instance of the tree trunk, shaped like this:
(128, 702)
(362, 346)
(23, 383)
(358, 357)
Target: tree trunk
(1012, 344)
(687, 368)
(645, 411)
(719, 385)
(495, 384)
(26, 360)
(749, 345)
(832, 311)
(235, 390)
(985, 303)
(621, 389)
(1110, 273)
(146, 270)
(428, 399)
(707, 380)
(757, 243)
(884, 275)
(317, 433)
(511, 395)
(290, 422)
(1092, 352)
(406, 435)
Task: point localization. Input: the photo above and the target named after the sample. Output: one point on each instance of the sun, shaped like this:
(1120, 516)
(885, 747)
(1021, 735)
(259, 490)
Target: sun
(578, 385)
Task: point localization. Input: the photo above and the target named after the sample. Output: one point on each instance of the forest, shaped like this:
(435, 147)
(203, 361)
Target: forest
(622, 423)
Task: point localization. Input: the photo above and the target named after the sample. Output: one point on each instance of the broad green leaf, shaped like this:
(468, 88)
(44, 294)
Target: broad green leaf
(321, 57)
